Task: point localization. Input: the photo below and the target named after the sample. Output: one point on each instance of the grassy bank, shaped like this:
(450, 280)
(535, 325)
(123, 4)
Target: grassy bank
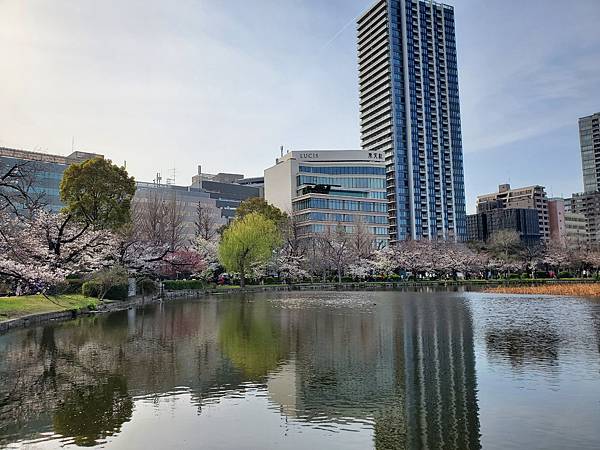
(14, 307)
(572, 290)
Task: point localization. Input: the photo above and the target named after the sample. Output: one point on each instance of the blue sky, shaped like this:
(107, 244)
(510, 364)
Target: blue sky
(224, 83)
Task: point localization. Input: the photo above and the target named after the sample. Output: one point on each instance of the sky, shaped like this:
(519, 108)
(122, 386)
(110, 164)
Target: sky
(166, 86)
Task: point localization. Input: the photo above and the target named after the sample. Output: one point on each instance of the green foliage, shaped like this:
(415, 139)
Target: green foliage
(251, 339)
(260, 206)
(565, 275)
(68, 286)
(95, 289)
(180, 285)
(147, 286)
(249, 241)
(98, 193)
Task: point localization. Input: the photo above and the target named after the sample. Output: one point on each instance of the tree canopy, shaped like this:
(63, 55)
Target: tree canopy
(249, 241)
(260, 206)
(98, 193)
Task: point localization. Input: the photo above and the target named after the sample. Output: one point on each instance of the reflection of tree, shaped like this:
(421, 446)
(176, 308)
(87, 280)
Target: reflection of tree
(524, 346)
(91, 413)
(250, 338)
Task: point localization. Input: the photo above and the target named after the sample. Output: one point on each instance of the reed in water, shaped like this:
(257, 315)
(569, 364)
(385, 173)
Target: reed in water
(576, 289)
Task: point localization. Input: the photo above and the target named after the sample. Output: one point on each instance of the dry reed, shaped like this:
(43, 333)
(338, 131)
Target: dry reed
(574, 289)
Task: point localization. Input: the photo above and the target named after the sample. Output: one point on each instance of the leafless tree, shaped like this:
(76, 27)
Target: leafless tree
(361, 239)
(160, 219)
(206, 224)
(334, 249)
(17, 195)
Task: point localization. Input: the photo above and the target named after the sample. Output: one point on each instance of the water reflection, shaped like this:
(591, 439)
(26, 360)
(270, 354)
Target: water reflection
(91, 413)
(396, 370)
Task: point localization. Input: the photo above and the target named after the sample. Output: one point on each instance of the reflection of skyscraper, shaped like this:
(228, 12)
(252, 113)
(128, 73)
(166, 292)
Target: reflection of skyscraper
(441, 401)
(408, 365)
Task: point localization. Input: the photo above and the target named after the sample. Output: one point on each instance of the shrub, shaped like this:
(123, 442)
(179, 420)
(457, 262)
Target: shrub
(68, 286)
(565, 275)
(541, 275)
(94, 289)
(147, 287)
(179, 285)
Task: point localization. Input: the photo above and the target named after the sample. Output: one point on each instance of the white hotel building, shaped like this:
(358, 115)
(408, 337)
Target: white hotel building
(331, 188)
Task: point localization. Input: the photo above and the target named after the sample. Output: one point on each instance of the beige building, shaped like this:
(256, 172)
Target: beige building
(588, 204)
(331, 188)
(566, 228)
(576, 233)
(531, 197)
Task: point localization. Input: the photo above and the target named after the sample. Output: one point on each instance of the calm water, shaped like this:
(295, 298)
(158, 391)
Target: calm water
(385, 370)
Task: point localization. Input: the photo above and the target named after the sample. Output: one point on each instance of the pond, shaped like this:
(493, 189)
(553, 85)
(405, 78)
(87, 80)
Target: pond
(322, 370)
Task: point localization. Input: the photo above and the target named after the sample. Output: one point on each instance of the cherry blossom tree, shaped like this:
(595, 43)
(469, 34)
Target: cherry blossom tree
(38, 252)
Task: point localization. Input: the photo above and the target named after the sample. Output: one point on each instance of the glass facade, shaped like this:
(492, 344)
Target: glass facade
(340, 205)
(409, 104)
(339, 195)
(344, 170)
(46, 179)
(345, 182)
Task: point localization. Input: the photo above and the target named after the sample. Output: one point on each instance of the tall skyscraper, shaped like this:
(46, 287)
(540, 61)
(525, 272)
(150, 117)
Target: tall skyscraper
(589, 138)
(409, 109)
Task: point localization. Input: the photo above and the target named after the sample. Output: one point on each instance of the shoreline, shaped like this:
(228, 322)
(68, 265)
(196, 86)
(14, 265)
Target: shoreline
(517, 286)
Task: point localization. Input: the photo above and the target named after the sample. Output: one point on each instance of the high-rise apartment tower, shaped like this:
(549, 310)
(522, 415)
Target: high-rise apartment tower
(589, 138)
(409, 109)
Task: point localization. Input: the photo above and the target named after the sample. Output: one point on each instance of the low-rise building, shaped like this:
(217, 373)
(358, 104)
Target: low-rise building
(44, 170)
(323, 189)
(530, 197)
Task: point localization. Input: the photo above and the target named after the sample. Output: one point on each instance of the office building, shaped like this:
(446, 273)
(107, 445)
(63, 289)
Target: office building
(531, 197)
(44, 170)
(331, 188)
(483, 225)
(257, 182)
(226, 190)
(181, 202)
(589, 138)
(409, 110)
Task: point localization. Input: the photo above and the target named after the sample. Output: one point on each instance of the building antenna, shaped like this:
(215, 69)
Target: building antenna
(172, 179)
(281, 148)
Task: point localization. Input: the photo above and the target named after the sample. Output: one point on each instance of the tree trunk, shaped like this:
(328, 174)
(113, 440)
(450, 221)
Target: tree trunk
(242, 278)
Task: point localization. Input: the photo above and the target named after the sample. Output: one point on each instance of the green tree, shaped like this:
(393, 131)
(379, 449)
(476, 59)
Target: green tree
(251, 339)
(98, 193)
(247, 242)
(260, 206)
